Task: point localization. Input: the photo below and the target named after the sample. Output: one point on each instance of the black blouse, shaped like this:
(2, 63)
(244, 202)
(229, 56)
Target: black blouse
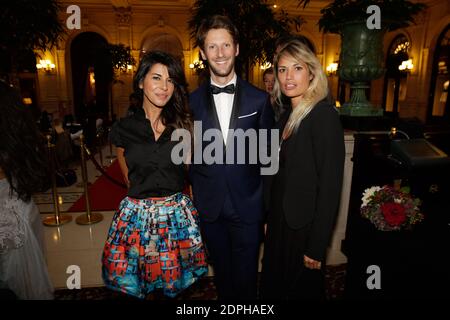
(150, 170)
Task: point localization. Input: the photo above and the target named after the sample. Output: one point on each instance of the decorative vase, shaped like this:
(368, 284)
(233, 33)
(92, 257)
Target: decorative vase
(361, 60)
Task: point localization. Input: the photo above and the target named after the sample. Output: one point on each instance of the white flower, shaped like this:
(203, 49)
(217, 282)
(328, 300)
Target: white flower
(369, 193)
(396, 200)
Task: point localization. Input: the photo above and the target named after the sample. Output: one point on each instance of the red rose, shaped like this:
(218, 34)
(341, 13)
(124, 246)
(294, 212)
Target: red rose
(394, 213)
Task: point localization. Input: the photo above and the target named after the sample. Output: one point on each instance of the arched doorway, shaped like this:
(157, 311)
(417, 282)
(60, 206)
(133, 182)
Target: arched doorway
(394, 89)
(90, 84)
(164, 42)
(439, 102)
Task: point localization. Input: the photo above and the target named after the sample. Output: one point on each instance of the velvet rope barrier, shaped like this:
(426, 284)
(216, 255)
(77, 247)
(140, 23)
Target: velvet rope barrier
(101, 170)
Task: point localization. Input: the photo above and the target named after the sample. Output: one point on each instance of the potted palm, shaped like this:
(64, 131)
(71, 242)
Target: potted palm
(362, 25)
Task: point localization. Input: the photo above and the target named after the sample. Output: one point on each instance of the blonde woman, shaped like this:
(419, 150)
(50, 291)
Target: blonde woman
(303, 197)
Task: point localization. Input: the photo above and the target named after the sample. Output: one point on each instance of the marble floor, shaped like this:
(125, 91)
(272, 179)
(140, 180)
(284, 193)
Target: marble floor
(72, 244)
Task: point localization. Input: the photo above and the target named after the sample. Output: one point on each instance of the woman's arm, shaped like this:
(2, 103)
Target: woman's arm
(329, 156)
(123, 164)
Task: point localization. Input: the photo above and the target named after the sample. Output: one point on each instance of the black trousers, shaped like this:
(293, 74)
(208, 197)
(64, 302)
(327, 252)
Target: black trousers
(233, 247)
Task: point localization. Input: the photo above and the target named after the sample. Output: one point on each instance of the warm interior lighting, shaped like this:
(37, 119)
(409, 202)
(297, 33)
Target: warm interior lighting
(338, 104)
(332, 68)
(45, 65)
(402, 47)
(197, 65)
(406, 65)
(92, 77)
(265, 66)
(27, 101)
(442, 67)
(275, 6)
(393, 131)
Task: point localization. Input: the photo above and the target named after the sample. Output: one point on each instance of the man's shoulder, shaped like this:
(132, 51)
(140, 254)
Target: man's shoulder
(250, 88)
(252, 93)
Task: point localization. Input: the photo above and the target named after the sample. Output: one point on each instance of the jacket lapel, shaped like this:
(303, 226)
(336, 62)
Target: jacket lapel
(236, 107)
(211, 109)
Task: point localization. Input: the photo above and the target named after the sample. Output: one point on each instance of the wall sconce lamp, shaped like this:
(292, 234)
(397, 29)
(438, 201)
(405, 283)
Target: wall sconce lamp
(127, 69)
(92, 78)
(406, 65)
(197, 65)
(123, 68)
(332, 69)
(46, 65)
(265, 66)
(27, 101)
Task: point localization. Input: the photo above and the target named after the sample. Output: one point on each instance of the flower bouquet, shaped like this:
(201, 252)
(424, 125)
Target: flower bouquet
(390, 209)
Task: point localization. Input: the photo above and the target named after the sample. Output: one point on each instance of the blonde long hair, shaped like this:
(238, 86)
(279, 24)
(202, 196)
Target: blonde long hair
(318, 86)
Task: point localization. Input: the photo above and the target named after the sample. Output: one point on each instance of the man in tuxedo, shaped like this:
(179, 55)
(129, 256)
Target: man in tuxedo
(228, 195)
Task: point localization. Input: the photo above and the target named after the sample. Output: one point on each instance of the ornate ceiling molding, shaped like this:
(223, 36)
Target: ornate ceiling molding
(123, 16)
(120, 3)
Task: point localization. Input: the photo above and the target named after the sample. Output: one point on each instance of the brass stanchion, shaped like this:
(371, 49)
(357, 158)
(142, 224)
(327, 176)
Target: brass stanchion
(111, 157)
(99, 148)
(89, 218)
(58, 219)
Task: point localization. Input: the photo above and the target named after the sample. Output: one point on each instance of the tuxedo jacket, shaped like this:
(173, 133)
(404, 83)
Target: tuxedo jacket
(312, 185)
(242, 182)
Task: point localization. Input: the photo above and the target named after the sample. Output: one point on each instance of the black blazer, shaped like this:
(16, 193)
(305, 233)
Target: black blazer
(312, 188)
(243, 182)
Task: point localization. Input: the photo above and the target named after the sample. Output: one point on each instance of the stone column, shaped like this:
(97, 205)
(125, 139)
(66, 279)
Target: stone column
(64, 105)
(124, 86)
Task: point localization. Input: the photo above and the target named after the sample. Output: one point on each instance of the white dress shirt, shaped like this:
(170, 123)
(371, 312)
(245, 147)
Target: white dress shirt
(224, 107)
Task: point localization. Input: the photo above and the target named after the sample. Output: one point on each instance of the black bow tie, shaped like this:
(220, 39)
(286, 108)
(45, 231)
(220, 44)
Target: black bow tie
(227, 89)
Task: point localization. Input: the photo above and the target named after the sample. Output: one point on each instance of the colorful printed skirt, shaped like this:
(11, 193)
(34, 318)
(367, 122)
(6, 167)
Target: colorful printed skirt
(154, 243)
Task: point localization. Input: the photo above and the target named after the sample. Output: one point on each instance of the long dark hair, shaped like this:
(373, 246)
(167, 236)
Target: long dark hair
(176, 113)
(23, 157)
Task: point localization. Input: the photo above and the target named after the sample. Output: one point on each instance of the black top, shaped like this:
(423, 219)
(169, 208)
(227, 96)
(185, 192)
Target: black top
(150, 170)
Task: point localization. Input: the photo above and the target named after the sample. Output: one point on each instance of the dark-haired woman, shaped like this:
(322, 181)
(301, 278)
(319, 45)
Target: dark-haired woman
(154, 240)
(23, 171)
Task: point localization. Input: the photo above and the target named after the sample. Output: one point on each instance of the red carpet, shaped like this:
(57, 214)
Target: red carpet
(104, 195)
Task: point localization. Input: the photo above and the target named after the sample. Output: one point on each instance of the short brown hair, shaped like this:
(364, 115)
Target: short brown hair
(268, 71)
(216, 22)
